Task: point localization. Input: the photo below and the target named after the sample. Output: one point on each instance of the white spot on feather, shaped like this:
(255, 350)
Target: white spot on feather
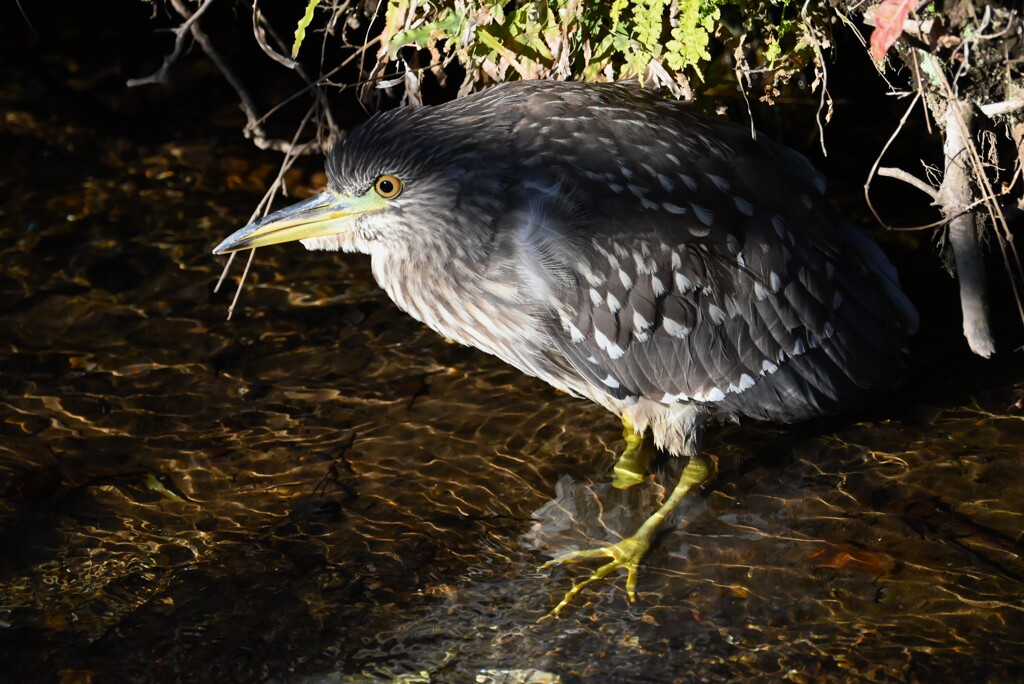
(767, 367)
(706, 216)
(779, 224)
(714, 395)
(699, 231)
(684, 284)
(716, 314)
(673, 208)
(613, 303)
(627, 282)
(673, 328)
(611, 382)
(720, 183)
(745, 207)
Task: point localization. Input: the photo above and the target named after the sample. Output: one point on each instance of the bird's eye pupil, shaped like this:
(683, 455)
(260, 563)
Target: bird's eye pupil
(386, 187)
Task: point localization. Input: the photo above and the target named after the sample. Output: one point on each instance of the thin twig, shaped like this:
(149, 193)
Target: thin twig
(878, 160)
(824, 97)
(238, 291)
(322, 81)
(966, 209)
(258, 23)
(311, 84)
(160, 75)
(743, 80)
(293, 151)
(224, 272)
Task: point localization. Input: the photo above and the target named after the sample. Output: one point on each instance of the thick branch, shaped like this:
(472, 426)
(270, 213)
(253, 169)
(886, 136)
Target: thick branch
(954, 195)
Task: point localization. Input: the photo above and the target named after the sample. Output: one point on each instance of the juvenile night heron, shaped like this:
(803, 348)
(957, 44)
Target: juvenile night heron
(619, 247)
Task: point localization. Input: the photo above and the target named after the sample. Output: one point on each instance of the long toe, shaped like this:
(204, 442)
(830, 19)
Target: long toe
(626, 554)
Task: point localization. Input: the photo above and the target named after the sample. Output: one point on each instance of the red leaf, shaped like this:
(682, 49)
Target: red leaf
(889, 18)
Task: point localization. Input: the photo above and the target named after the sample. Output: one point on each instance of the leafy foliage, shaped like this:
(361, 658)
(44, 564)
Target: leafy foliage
(667, 43)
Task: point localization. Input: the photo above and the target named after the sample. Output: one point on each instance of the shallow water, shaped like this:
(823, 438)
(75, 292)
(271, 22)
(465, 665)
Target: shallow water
(322, 490)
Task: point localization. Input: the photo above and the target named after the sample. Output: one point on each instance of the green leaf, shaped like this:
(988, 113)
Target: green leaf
(446, 26)
(300, 30)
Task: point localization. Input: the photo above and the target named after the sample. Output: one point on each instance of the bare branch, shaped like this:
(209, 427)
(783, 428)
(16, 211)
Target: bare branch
(160, 75)
(910, 179)
(1006, 107)
(258, 23)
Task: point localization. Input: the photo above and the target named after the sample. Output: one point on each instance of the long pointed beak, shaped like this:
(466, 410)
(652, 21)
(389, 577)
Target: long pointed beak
(322, 214)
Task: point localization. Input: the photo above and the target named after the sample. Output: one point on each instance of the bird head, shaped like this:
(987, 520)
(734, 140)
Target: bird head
(398, 181)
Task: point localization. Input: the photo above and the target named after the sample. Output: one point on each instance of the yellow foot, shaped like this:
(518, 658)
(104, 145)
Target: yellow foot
(629, 552)
(625, 554)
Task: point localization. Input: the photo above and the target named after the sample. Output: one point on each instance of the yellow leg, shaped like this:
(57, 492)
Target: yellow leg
(631, 468)
(630, 551)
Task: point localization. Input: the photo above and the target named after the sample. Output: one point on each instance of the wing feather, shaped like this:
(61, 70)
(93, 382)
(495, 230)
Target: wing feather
(708, 266)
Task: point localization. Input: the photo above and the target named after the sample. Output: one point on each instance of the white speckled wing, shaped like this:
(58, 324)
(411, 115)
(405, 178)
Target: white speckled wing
(712, 269)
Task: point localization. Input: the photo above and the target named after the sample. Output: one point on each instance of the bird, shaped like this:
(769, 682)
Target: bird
(625, 249)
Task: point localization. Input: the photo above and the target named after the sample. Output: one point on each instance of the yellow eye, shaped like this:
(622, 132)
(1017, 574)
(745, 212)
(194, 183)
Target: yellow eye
(388, 187)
